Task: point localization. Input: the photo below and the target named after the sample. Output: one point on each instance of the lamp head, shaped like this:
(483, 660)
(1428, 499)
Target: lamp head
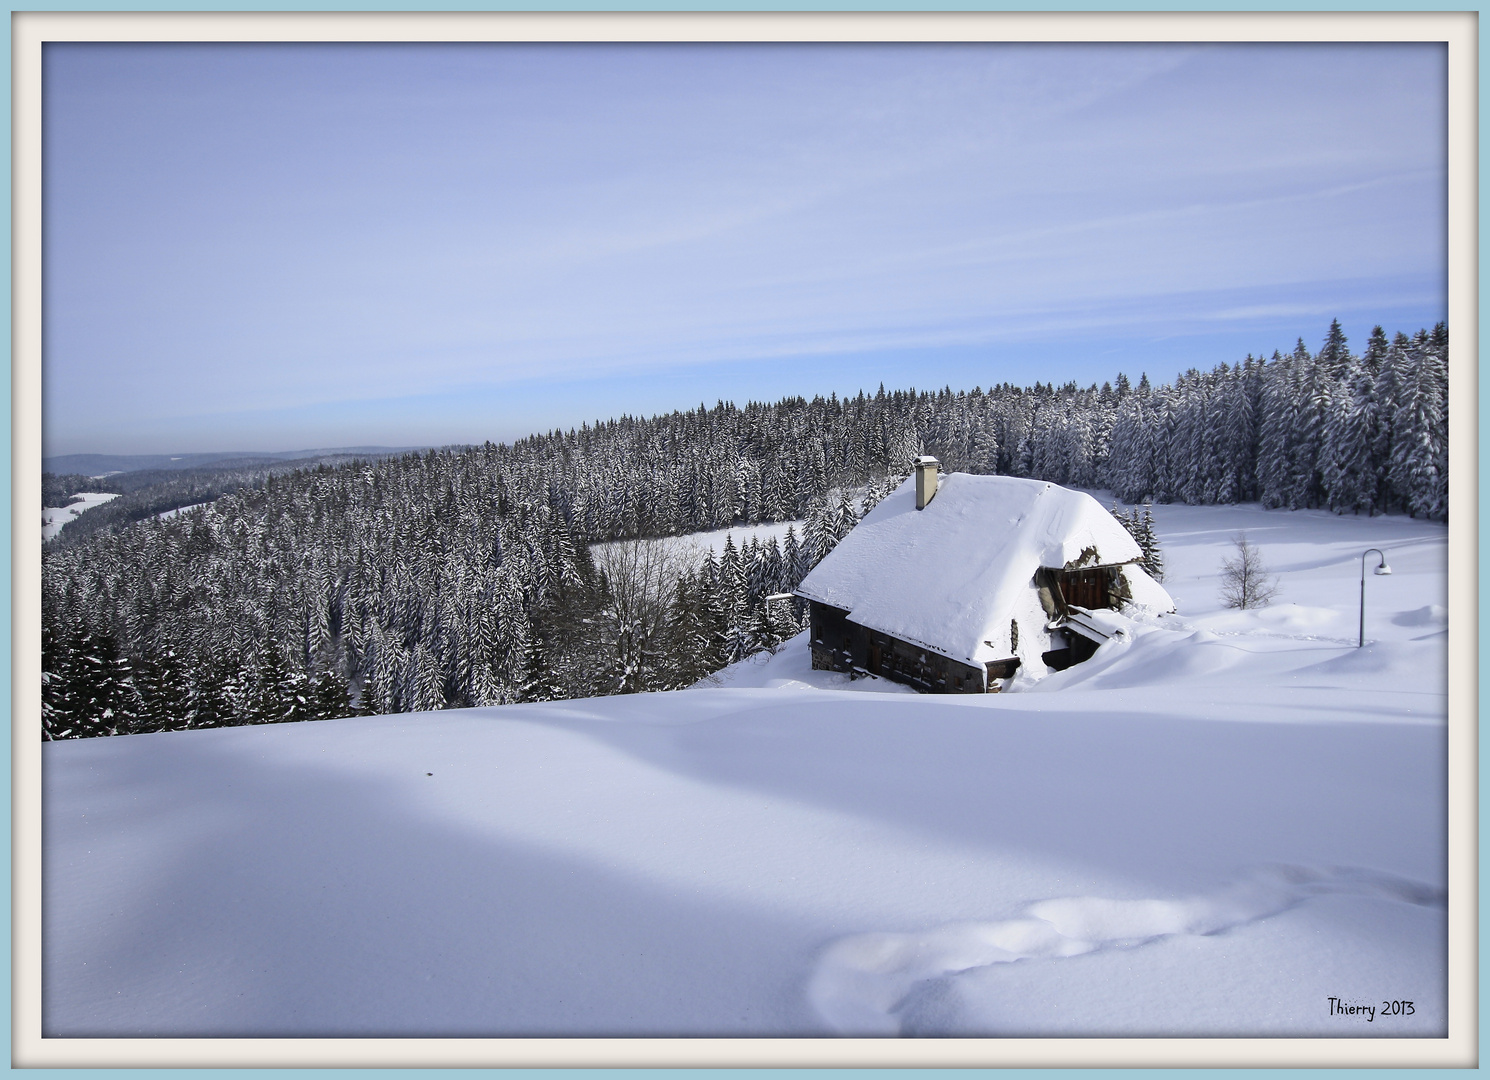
(1383, 570)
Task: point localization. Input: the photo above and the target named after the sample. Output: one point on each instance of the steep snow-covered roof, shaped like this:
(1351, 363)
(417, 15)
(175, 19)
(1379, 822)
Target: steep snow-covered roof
(947, 577)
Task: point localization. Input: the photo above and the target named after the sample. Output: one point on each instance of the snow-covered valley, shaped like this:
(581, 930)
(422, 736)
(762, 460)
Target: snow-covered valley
(1228, 823)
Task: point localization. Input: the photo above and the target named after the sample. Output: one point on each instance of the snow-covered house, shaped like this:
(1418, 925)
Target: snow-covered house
(953, 583)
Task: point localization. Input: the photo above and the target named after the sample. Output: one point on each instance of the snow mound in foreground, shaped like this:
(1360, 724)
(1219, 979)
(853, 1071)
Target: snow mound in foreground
(756, 861)
(1289, 644)
(863, 982)
(1431, 615)
(790, 668)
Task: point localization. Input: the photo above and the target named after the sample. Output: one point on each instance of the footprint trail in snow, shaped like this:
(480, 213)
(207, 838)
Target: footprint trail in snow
(861, 981)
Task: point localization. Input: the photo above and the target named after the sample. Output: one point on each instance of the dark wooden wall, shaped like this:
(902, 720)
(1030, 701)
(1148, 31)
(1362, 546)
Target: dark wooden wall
(840, 644)
(1091, 588)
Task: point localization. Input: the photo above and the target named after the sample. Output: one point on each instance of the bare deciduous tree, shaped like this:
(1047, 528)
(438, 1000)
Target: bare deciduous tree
(641, 576)
(1245, 581)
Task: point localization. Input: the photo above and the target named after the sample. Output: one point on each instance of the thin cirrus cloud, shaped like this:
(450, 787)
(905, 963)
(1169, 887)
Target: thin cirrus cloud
(253, 233)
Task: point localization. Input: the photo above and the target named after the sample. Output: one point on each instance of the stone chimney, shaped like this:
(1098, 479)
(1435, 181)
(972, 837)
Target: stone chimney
(926, 467)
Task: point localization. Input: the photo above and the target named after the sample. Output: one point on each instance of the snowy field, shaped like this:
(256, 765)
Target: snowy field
(1231, 824)
(54, 517)
(166, 514)
(742, 535)
(691, 546)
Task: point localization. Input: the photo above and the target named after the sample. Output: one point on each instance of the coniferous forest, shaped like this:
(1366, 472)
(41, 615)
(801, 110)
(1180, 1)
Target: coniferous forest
(524, 572)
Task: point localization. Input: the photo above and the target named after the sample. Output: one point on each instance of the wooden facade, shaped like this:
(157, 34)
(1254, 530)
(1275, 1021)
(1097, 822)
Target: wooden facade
(1090, 587)
(1093, 588)
(840, 644)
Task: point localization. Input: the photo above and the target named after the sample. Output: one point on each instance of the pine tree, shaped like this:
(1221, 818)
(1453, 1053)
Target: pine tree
(1148, 543)
(426, 680)
(106, 702)
(209, 701)
(57, 677)
(734, 598)
(1349, 474)
(295, 693)
(878, 489)
(1420, 438)
(390, 667)
(1140, 526)
(372, 699)
(684, 661)
(1438, 349)
(486, 685)
(783, 622)
(1333, 357)
(1314, 390)
(985, 448)
(164, 693)
(1390, 390)
(845, 516)
(272, 694)
(1123, 472)
(539, 683)
(1237, 436)
(330, 697)
(715, 618)
(1276, 432)
(1162, 450)
(763, 633)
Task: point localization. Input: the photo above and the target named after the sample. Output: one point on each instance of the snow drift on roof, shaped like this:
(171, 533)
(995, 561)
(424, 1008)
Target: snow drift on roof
(947, 576)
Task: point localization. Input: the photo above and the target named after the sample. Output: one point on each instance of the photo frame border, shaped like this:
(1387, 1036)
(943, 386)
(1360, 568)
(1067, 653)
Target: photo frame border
(30, 30)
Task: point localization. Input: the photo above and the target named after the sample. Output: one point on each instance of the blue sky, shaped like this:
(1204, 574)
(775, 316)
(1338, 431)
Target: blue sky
(264, 247)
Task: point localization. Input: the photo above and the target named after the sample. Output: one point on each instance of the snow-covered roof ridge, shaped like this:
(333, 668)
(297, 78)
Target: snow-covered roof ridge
(946, 576)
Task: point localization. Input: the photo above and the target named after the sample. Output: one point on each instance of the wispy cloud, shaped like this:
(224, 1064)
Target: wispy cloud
(292, 227)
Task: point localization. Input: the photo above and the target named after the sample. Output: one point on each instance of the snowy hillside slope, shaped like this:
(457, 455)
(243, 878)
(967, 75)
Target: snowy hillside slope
(1212, 829)
(743, 534)
(693, 545)
(54, 517)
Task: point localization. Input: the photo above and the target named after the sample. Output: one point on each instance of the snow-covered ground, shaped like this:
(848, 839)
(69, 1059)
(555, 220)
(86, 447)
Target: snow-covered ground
(697, 543)
(742, 535)
(54, 517)
(164, 514)
(1217, 827)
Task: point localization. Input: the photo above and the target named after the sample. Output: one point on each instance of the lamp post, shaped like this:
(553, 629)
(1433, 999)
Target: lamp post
(1382, 570)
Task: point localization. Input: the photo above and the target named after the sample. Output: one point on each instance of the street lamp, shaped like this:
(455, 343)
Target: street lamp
(1382, 570)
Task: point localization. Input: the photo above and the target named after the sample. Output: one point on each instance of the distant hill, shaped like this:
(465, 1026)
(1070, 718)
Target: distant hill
(148, 489)
(98, 464)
